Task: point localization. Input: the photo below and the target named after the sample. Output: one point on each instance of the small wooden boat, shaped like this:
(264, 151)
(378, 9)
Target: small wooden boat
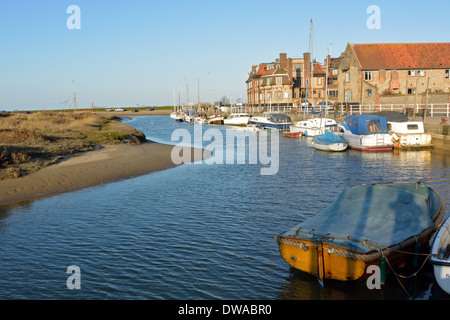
(365, 225)
(440, 256)
(329, 142)
(293, 134)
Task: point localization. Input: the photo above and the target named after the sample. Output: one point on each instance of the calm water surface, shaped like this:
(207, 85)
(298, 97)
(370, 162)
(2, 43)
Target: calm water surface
(198, 231)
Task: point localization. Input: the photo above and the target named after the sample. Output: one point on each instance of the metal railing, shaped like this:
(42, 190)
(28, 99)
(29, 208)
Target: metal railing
(432, 109)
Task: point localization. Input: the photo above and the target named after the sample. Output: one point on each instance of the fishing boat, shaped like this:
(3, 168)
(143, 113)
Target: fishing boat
(406, 134)
(313, 127)
(366, 132)
(237, 119)
(272, 120)
(440, 256)
(329, 142)
(369, 225)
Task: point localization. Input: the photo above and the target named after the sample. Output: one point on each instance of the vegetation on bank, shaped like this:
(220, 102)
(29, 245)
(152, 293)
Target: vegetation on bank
(29, 142)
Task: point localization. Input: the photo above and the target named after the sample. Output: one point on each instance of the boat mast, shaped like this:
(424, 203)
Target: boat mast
(210, 90)
(326, 81)
(74, 99)
(312, 65)
(307, 74)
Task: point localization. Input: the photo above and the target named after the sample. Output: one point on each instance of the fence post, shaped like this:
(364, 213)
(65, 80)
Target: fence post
(431, 112)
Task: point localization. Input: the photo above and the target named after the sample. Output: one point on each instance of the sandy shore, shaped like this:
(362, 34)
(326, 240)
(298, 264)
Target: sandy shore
(111, 163)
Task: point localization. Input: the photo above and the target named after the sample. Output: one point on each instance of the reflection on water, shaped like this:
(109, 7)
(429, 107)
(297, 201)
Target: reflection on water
(199, 231)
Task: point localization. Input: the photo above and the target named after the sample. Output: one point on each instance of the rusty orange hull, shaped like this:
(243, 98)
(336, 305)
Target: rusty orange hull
(312, 247)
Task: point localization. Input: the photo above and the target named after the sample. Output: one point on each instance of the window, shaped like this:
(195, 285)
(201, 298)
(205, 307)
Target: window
(368, 75)
(286, 95)
(269, 80)
(279, 95)
(260, 97)
(319, 81)
(394, 90)
(256, 97)
(411, 73)
(411, 90)
(347, 77)
(269, 96)
(412, 126)
(334, 72)
(374, 125)
(348, 95)
(333, 93)
(369, 92)
(421, 73)
(447, 73)
(279, 80)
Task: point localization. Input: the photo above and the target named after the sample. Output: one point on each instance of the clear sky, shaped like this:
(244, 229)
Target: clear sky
(136, 52)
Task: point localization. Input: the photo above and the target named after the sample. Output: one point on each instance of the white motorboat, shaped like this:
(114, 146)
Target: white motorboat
(237, 119)
(329, 142)
(271, 120)
(215, 119)
(366, 132)
(173, 115)
(313, 127)
(440, 256)
(179, 118)
(406, 134)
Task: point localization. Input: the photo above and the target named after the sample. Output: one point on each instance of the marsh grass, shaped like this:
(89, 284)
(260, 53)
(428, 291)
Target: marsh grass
(29, 142)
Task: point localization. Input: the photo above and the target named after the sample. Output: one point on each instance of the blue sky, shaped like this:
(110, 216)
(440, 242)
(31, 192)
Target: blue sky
(136, 52)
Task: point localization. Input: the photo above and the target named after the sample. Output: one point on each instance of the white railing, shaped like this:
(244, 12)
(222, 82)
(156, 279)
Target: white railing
(432, 109)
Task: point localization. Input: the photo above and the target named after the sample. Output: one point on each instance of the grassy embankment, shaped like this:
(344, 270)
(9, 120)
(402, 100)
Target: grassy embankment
(29, 142)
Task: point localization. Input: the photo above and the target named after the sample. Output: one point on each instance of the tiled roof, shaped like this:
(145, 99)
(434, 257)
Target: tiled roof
(403, 55)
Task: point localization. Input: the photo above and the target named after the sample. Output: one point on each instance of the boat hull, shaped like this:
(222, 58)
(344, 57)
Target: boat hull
(369, 143)
(326, 261)
(339, 257)
(336, 147)
(271, 126)
(440, 257)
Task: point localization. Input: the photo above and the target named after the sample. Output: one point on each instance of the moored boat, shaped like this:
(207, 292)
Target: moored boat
(293, 134)
(329, 142)
(215, 119)
(440, 256)
(366, 225)
(272, 120)
(237, 119)
(366, 132)
(313, 127)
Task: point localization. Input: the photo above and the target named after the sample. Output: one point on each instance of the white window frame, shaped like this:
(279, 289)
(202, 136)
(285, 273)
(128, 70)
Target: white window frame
(348, 95)
(347, 76)
(279, 81)
(411, 73)
(447, 74)
(368, 75)
(421, 73)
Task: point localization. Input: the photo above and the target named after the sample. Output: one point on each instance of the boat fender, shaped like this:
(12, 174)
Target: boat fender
(394, 137)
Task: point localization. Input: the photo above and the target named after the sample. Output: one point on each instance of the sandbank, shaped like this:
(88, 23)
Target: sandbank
(110, 163)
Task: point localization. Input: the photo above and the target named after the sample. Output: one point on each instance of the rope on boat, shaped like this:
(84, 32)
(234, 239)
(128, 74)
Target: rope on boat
(380, 250)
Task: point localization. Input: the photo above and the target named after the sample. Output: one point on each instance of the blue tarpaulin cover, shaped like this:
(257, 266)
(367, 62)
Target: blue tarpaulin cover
(329, 137)
(384, 214)
(363, 124)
